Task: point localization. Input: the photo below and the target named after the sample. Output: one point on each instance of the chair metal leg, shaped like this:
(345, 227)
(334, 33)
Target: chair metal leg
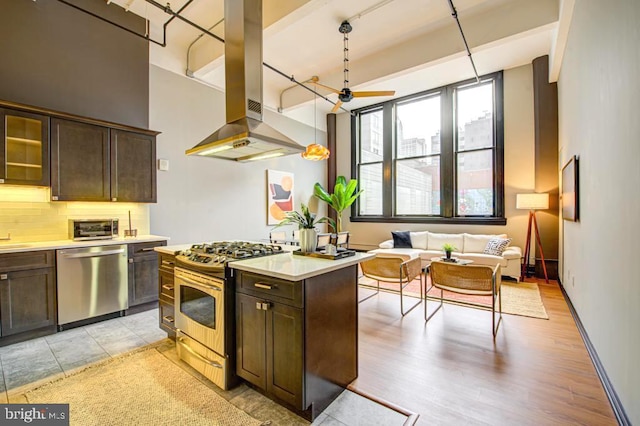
(373, 294)
(495, 325)
(402, 299)
(428, 317)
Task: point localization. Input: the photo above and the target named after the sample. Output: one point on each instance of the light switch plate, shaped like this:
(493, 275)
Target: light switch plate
(163, 164)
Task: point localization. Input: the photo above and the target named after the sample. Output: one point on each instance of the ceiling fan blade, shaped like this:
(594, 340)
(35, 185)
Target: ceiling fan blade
(373, 93)
(337, 106)
(328, 88)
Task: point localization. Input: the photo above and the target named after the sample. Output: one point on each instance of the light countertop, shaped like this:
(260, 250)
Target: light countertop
(174, 249)
(16, 247)
(294, 267)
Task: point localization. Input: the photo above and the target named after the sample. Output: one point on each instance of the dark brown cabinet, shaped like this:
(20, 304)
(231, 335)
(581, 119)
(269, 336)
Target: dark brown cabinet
(27, 294)
(269, 338)
(97, 163)
(133, 172)
(167, 293)
(297, 340)
(143, 272)
(80, 163)
(24, 148)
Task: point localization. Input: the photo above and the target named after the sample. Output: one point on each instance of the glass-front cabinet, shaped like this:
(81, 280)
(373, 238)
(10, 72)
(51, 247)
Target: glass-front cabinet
(24, 148)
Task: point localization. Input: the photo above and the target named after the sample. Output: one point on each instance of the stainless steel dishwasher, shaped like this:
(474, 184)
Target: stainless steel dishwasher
(92, 281)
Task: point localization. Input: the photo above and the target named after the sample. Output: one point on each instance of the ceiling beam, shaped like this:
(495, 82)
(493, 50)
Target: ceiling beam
(483, 29)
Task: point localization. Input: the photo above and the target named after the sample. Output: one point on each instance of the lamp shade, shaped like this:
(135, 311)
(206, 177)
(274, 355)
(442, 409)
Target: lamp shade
(315, 152)
(532, 201)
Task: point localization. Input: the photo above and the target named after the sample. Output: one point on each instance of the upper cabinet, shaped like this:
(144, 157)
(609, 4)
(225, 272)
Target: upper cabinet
(91, 160)
(24, 148)
(133, 171)
(80, 169)
(95, 163)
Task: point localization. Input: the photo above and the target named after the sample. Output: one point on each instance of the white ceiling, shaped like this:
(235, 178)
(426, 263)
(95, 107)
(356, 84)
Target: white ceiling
(402, 45)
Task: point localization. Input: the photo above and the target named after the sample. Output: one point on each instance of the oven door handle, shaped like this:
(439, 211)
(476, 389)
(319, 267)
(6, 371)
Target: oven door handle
(214, 364)
(201, 286)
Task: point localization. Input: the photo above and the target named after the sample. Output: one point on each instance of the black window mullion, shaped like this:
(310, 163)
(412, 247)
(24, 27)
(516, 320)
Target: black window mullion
(388, 154)
(498, 126)
(447, 159)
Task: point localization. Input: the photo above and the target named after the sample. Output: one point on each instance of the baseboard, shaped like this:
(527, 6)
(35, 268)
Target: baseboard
(614, 400)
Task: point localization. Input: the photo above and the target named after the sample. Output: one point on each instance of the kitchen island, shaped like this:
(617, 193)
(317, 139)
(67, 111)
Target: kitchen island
(297, 327)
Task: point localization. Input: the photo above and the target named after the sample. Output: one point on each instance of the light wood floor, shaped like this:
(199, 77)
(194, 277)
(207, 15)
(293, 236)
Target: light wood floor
(451, 372)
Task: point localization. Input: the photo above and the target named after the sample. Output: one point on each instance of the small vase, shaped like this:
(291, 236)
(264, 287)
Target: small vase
(308, 240)
(448, 255)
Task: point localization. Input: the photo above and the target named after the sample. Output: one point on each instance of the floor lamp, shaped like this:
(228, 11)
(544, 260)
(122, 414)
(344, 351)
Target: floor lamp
(532, 202)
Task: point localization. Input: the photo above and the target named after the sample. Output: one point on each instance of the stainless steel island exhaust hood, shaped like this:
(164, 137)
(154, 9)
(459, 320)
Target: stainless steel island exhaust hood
(245, 137)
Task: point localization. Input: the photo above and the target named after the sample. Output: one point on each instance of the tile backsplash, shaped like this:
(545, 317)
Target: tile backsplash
(28, 215)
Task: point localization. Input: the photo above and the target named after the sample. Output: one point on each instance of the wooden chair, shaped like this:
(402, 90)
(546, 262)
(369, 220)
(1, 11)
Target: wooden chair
(342, 239)
(393, 268)
(322, 241)
(477, 280)
(296, 237)
(278, 237)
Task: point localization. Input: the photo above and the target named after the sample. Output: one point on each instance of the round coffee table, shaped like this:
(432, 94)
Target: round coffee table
(454, 260)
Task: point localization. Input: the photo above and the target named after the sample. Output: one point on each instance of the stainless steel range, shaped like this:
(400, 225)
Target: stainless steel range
(205, 302)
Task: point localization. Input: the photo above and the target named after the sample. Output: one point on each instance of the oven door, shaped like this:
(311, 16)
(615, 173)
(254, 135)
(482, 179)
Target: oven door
(200, 308)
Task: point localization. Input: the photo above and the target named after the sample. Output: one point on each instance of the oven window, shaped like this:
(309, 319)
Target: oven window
(198, 305)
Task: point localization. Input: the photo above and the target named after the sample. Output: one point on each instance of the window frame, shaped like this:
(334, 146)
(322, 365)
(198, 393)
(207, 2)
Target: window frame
(448, 157)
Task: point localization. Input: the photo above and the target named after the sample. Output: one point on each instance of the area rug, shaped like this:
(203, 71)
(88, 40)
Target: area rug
(143, 388)
(522, 298)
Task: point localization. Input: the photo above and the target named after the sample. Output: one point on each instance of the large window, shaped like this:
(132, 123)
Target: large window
(432, 157)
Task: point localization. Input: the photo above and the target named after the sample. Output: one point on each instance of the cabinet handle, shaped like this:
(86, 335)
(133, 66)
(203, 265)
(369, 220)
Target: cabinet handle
(263, 306)
(54, 198)
(168, 287)
(147, 249)
(130, 260)
(265, 286)
(168, 318)
(114, 199)
(166, 262)
(4, 276)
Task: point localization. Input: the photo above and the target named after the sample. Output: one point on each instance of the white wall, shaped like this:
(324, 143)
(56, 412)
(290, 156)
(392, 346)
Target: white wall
(598, 118)
(519, 171)
(204, 199)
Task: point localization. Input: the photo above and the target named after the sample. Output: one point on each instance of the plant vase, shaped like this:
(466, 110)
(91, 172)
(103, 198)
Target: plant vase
(308, 240)
(447, 255)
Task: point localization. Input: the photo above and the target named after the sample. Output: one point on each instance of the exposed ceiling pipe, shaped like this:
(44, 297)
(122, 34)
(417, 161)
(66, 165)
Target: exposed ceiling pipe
(167, 9)
(454, 14)
(189, 72)
(368, 10)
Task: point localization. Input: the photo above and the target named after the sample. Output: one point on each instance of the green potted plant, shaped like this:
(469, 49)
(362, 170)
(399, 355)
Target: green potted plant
(306, 222)
(343, 196)
(448, 248)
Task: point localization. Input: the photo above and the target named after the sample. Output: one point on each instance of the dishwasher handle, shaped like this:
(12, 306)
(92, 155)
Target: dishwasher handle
(92, 254)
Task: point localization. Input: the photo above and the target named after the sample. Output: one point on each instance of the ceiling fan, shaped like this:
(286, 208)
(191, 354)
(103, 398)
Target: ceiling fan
(346, 94)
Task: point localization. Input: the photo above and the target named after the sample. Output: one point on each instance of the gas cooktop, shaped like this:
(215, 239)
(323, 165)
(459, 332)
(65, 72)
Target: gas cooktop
(217, 254)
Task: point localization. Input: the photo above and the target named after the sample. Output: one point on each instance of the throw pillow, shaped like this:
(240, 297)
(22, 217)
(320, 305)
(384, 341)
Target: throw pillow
(497, 246)
(401, 239)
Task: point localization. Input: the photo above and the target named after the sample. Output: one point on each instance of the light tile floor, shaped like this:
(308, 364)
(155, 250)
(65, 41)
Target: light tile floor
(27, 364)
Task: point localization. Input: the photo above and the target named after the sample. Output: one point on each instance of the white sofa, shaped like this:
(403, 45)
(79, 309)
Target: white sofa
(427, 245)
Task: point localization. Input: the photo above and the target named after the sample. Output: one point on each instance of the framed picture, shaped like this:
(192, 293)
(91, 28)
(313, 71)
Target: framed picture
(570, 190)
(279, 195)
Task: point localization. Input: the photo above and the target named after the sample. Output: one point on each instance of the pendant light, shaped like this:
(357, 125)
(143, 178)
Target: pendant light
(314, 151)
